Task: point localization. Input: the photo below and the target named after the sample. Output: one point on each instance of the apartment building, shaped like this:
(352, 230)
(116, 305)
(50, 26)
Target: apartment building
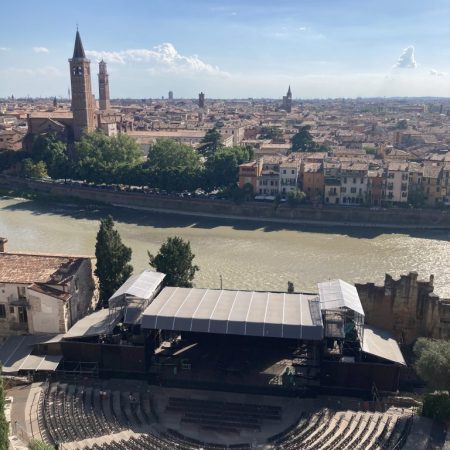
(397, 182)
(289, 176)
(354, 181)
(268, 182)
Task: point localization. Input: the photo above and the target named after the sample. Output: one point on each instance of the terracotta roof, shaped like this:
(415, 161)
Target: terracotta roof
(27, 268)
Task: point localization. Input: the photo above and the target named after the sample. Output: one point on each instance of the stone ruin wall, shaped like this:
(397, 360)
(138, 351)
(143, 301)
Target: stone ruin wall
(407, 307)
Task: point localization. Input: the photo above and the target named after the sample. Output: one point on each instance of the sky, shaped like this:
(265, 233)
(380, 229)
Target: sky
(231, 48)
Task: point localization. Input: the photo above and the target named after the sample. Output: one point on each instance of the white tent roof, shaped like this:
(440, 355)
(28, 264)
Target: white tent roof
(381, 343)
(15, 355)
(142, 285)
(268, 314)
(335, 294)
(99, 322)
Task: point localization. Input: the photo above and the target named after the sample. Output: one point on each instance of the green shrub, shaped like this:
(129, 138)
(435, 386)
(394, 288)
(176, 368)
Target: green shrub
(436, 406)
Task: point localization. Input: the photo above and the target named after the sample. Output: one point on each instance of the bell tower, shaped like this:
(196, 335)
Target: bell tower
(103, 86)
(83, 108)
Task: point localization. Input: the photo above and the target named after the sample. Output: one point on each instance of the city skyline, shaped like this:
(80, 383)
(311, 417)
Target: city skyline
(233, 49)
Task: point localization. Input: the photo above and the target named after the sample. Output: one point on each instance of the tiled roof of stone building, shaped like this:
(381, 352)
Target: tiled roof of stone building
(25, 268)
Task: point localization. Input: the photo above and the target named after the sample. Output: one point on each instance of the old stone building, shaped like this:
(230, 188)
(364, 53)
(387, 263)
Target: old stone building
(43, 294)
(407, 307)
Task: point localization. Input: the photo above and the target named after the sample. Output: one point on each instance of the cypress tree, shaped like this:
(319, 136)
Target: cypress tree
(4, 429)
(113, 258)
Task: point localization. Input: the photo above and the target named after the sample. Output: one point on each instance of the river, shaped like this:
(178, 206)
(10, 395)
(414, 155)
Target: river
(247, 254)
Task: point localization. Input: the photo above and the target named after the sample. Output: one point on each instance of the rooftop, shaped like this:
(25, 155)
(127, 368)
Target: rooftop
(24, 268)
(245, 313)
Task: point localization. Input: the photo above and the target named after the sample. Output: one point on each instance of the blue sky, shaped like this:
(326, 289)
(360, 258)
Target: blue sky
(323, 48)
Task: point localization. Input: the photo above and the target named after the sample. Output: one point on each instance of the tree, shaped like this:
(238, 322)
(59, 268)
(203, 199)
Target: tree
(101, 158)
(433, 362)
(211, 140)
(113, 258)
(175, 260)
(222, 166)
(295, 197)
(402, 124)
(302, 141)
(273, 133)
(437, 406)
(33, 170)
(173, 166)
(53, 152)
(4, 429)
(416, 198)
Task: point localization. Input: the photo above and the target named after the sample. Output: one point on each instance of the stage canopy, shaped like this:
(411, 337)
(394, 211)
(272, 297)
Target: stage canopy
(15, 355)
(139, 286)
(95, 324)
(382, 344)
(263, 314)
(336, 294)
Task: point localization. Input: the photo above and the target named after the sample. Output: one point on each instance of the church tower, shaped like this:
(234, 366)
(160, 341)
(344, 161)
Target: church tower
(83, 108)
(103, 86)
(288, 101)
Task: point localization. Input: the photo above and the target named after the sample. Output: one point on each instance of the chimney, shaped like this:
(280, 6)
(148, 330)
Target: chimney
(3, 245)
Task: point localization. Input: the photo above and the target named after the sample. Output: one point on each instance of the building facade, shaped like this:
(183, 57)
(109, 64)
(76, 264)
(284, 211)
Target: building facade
(43, 294)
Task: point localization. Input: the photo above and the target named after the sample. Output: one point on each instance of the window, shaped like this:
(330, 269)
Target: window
(353, 190)
(293, 172)
(2, 311)
(284, 171)
(354, 180)
(21, 292)
(23, 318)
(12, 310)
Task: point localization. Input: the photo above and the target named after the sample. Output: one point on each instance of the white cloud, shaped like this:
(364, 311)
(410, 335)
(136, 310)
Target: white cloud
(40, 50)
(163, 57)
(302, 29)
(4, 49)
(407, 59)
(437, 73)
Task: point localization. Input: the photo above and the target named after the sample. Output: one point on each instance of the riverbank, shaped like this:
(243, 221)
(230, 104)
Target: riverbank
(253, 211)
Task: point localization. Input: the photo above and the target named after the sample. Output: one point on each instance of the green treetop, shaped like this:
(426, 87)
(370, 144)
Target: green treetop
(113, 258)
(100, 158)
(175, 260)
(212, 140)
(4, 431)
(433, 362)
(303, 141)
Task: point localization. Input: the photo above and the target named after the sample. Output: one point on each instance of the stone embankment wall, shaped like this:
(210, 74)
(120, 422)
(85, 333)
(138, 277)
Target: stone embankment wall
(407, 307)
(426, 218)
